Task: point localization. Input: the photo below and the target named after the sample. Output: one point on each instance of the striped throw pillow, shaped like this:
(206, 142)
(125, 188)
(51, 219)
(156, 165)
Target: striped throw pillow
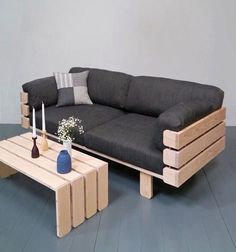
(72, 88)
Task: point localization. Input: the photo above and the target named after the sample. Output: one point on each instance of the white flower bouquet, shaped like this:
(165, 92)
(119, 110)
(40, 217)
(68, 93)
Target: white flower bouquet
(67, 129)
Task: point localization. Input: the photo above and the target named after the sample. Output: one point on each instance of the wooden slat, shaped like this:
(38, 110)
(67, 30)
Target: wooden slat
(63, 210)
(33, 171)
(89, 173)
(6, 171)
(25, 109)
(22, 147)
(25, 122)
(177, 140)
(177, 159)
(146, 185)
(86, 164)
(78, 202)
(24, 97)
(178, 177)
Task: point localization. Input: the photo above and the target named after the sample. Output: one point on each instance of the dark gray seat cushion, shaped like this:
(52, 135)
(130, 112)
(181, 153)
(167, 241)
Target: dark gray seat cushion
(154, 95)
(41, 90)
(91, 116)
(128, 138)
(178, 117)
(106, 87)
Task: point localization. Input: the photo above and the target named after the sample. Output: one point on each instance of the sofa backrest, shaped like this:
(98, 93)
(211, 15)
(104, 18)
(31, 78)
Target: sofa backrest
(106, 87)
(153, 95)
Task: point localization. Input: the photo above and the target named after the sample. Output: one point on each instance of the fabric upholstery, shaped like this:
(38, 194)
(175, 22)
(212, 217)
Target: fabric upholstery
(128, 138)
(106, 87)
(178, 117)
(91, 116)
(41, 90)
(72, 88)
(154, 95)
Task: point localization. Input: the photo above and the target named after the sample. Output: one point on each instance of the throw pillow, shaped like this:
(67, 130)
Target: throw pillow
(72, 88)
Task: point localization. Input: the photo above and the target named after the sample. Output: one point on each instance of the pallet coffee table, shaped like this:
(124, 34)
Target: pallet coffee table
(79, 194)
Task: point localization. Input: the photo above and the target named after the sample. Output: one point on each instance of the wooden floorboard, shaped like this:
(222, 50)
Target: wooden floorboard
(199, 216)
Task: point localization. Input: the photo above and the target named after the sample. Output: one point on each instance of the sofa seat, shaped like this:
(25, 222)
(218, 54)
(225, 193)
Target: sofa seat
(91, 116)
(128, 138)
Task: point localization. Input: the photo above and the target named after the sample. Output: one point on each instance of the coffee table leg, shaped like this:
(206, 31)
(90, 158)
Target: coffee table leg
(102, 187)
(6, 171)
(63, 210)
(78, 202)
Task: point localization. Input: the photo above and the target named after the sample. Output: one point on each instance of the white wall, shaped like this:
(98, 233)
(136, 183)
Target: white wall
(191, 40)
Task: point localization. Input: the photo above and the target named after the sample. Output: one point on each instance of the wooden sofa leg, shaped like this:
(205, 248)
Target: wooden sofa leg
(146, 185)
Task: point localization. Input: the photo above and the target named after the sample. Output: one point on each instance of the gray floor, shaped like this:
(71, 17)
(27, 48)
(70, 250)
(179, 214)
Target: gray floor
(200, 216)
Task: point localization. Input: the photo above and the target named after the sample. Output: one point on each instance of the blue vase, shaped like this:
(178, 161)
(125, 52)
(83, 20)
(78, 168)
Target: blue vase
(63, 162)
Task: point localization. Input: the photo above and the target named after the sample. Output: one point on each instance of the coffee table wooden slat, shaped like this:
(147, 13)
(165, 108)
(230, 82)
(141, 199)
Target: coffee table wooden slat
(58, 185)
(100, 166)
(89, 173)
(22, 149)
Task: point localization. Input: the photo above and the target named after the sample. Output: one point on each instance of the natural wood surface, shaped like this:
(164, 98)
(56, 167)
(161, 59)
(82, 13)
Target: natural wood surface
(63, 210)
(89, 173)
(177, 140)
(146, 185)
(102, 172)
(25, 109)
(178, 177)
(96, 176)
(177, 159)
(25, 122)
(31, 170)
(21, 148)
(6, 171)
(24, 97)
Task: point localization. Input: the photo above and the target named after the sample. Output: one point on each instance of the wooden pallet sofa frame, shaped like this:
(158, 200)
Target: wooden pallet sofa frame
(187, 151)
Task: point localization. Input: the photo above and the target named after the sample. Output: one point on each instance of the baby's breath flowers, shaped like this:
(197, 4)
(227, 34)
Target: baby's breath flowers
(68, 127)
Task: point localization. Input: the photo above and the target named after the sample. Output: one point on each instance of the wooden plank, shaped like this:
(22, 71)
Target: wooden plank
(178, 177)
(146, 185)
(177, 140)
(89, 173)
(78, 202)
(63, 210)
(90, 180)
(102, 187)
(99, 165)
(24, 97)
(96, 180)
(33, 171)
(6, 171)
(22, 149)
(25, 110)
(25, 122)
(177, 159)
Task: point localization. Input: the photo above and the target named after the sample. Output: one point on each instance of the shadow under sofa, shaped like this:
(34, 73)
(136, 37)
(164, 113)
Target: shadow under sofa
(164, 128)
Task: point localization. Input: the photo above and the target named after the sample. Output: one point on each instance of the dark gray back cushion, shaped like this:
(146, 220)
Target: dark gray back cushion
(153, 95)
(106, 87)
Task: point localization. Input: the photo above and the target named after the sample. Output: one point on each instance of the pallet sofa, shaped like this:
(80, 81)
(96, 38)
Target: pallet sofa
(164, 128)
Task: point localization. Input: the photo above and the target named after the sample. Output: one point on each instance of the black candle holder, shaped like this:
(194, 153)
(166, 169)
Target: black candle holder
(35, 150)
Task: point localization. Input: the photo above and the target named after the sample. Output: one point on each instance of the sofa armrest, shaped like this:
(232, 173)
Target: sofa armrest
(180, 116)
(41, 90)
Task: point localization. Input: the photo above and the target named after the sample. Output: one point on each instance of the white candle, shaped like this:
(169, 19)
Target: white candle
(34, 124)
(43, 118)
